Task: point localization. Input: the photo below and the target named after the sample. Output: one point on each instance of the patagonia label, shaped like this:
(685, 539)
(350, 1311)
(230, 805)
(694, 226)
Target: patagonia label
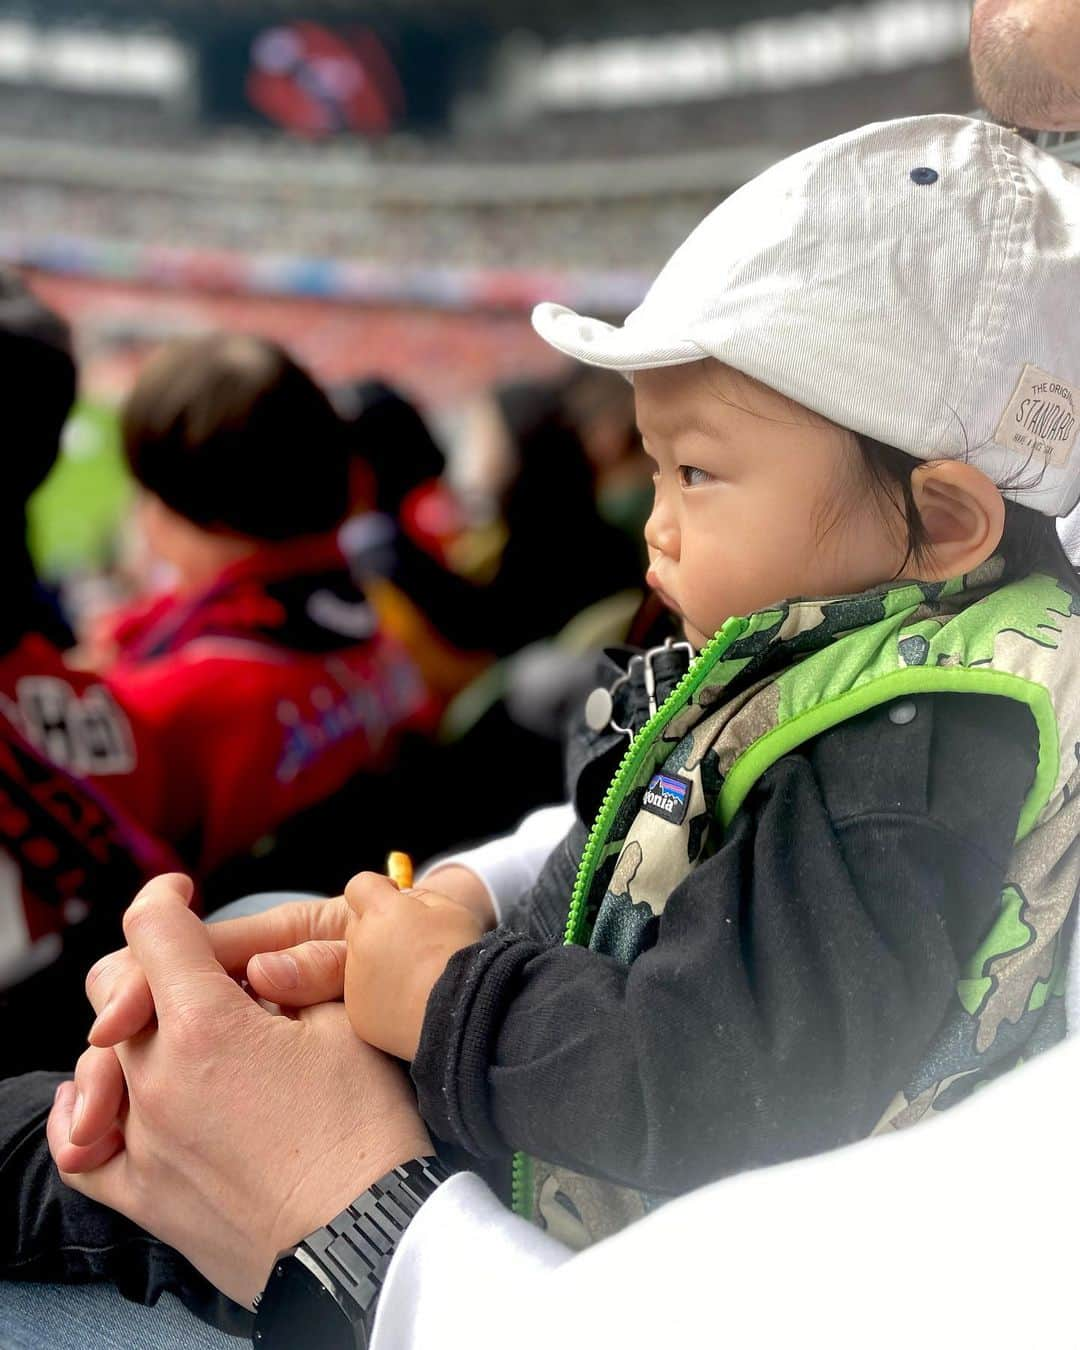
(668, 796)
(1041, 420)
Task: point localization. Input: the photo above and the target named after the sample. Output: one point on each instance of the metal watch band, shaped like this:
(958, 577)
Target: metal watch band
(355, 1248)
(352, 1253)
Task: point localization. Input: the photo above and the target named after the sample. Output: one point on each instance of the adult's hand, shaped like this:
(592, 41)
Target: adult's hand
(244, 1131)
(293, 955)
(118, 989)
(120, 994)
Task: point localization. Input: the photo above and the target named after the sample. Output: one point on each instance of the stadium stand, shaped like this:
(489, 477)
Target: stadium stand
(525, 170)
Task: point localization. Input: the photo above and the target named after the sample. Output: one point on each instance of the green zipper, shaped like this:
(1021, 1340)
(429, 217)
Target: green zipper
(521, 1173)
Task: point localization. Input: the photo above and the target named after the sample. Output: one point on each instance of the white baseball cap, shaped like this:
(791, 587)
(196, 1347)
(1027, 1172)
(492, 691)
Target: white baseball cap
(916, 281)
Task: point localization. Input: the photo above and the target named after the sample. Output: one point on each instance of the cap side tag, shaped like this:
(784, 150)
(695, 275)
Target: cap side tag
(1041, 420)
(668, 796)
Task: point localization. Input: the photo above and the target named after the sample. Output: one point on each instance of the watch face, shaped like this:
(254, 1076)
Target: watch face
(298, 1312)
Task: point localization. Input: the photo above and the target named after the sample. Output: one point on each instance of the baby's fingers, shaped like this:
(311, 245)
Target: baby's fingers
(313, 972)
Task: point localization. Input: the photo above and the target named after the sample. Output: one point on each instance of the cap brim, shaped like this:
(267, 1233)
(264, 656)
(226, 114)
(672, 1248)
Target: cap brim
(597, 343)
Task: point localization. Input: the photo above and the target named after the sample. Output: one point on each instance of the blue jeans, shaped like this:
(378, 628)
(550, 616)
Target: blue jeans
(97, 1317)
(81, 1316)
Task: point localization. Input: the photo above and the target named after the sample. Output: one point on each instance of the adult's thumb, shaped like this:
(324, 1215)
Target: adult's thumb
(313, 972)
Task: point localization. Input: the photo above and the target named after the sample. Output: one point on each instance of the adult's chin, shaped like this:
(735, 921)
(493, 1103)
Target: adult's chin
(1023, 57)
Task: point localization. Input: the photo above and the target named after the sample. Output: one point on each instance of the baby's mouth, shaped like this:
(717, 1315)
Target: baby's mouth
(654, 585)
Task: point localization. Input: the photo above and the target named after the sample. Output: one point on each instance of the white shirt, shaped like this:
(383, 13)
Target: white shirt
(958, 1231)
(509, 864)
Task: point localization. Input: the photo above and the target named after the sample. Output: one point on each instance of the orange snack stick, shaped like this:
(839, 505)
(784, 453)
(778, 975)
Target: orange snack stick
(399, 869)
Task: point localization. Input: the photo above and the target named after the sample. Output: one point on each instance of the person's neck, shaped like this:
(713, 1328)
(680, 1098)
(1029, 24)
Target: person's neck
(197, 569)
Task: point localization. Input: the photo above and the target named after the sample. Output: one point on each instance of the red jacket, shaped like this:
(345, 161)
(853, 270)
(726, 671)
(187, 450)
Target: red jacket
(72, 720)
(68, 755)
(260, 695)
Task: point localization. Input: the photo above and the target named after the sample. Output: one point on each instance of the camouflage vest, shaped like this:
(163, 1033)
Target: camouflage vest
(764, 686)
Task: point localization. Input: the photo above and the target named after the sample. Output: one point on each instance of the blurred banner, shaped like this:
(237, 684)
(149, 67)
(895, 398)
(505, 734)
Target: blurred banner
(320, 79)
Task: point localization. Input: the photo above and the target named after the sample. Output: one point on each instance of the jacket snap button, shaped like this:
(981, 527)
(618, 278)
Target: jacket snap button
(598, 709)
(900, 714)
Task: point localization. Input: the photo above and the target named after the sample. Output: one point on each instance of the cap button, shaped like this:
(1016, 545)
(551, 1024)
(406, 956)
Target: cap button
(924, 176)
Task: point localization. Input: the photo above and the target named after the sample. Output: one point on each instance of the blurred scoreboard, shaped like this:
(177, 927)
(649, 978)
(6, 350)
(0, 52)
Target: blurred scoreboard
(322, 79)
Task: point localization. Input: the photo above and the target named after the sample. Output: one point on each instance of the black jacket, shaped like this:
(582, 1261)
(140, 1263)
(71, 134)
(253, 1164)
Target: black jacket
(795, 979)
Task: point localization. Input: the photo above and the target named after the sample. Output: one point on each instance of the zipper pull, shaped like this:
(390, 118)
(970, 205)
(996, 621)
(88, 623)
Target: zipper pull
(650, 683)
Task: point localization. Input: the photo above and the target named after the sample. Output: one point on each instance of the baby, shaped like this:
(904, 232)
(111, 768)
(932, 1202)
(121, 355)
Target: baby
(823, 888)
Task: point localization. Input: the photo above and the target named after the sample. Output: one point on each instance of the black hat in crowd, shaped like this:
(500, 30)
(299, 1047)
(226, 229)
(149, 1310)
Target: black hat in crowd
(391, 436)
(38, 380)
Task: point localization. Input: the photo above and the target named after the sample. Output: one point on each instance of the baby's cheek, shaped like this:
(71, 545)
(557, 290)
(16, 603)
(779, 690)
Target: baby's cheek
(715, 594)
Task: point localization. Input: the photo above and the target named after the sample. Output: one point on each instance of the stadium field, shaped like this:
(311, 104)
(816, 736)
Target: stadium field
(74, 515)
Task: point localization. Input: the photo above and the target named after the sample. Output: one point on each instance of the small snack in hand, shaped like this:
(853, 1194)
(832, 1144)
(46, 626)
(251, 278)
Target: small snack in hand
(399, 869)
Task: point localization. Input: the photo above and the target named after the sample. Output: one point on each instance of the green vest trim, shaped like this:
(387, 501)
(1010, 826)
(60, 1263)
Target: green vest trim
(803, 727)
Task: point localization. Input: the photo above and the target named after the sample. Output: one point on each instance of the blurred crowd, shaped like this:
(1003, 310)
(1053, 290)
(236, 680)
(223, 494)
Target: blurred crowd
(171, 187)
(319, 642)
(555, 234)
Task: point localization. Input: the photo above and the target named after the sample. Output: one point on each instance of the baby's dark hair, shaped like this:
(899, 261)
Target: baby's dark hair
(1029, 542)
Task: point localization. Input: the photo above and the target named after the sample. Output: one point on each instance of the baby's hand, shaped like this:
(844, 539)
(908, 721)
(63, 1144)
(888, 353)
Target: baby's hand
(398, 945)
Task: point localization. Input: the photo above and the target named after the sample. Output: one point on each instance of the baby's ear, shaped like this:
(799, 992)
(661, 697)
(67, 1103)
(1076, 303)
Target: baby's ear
(962, 514)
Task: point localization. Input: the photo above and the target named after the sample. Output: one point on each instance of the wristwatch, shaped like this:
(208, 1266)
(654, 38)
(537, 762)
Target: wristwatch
(321, 1295)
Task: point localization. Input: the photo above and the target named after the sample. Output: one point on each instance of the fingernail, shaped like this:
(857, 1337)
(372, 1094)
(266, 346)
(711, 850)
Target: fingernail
(76, 1114)
(280, 969)
(63, 1094)
(97, 1020)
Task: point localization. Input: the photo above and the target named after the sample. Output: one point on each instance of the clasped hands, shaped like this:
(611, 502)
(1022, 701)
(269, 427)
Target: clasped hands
(226, 1131)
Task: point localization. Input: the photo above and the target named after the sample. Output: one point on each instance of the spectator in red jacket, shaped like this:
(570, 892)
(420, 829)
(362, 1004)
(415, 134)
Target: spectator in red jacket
(67, 718)
(262, 675)
(68, 853)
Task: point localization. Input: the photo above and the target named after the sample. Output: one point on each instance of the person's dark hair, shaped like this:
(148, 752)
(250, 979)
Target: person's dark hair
(39, 386)
(233, 435)
(388, 433)
(1029, 542)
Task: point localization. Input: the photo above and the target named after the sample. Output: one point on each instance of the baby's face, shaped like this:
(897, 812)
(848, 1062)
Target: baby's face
(758, 500)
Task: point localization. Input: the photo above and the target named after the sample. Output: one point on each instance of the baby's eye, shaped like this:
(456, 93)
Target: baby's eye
(690, 476)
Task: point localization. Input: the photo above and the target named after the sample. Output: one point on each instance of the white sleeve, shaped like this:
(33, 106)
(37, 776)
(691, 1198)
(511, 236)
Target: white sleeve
(849, 1249)
(466, 1271)
(509, 864)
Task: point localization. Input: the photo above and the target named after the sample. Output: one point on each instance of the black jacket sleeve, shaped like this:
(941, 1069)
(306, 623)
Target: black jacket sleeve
(796, 979)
